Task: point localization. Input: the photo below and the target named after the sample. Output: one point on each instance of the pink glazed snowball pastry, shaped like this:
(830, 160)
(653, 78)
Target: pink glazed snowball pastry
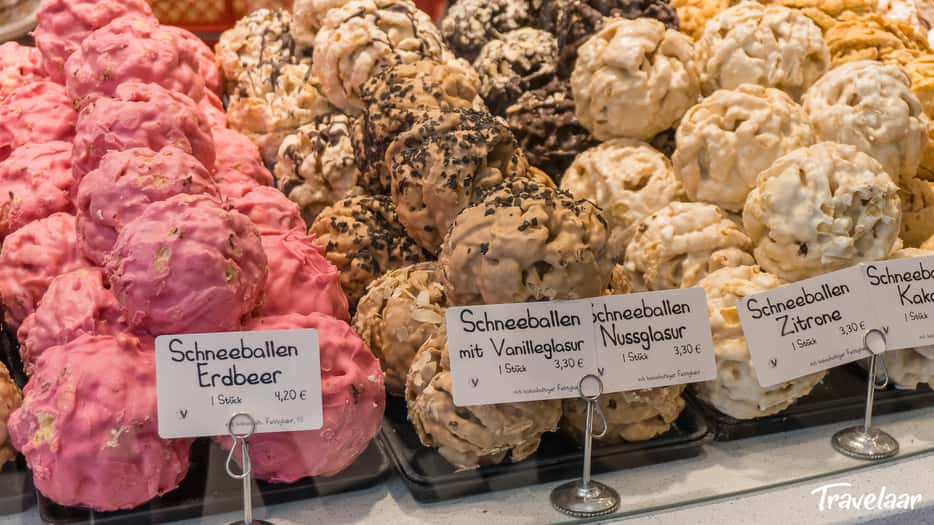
(124, 184)
(19, 65)
(31, 258)
(88, 426)
(77, 303)
(207, 62)
(36, 181)
(64, 24)
(213, 110)
(187, 265)
(270, 210)
(37, 112)
(239, 166)
(353, 398)
(300, 279)
(140, 116)
(132, 48)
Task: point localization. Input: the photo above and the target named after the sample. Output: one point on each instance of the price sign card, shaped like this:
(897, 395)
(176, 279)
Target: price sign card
(653, 339)
(902, 293)
(204, 379)
(519, 352)
(808, 326)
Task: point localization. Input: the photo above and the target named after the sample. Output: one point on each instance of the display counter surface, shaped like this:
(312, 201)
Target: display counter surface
(773, 479)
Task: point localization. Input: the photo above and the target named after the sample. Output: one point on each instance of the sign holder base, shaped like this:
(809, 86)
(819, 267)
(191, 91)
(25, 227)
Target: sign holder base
(243, 439)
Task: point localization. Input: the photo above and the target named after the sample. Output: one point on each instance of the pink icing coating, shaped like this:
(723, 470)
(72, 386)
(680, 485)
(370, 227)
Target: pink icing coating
(207, 62)
(88, 426)
(37, 112)
(269, 209)
(187, 265)
(77, 303)
(140, 116)
(353, 398)
(124, 184)
(64, 24)
(300, 279)
(213, 110)
(239, 166)
(30, 258)
(19, 65)
(132, 48)
(36, 181)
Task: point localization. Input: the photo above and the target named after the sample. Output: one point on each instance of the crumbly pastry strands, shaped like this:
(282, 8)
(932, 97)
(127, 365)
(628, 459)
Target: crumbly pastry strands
(917, 198)
(771, 46)
(694, 14)
(399, 312)
(628, 180)
(826, 13)
(873, 37)
(679, 244)
(10, 399)
(37, 181)
(515, 63)
(363, 238)
(736, 391)
(308, 17)
(638, 415)
(470, 437)
(905, 11)
(362, 38)
(725, 141)
(819, 209)
(526, 242)
(634, 67)
(870, 106)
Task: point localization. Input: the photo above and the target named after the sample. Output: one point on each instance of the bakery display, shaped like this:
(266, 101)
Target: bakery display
(19, 65)
(518, 62)
(736, 392)
(772, 46)
(399, 312)
(634, 67)
(35, 113)
(726, 140)
(37, 181)
(10, 400)
(638, 415)
(820, 209)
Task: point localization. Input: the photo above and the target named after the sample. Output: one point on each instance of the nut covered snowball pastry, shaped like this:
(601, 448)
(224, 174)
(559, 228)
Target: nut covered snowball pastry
(35, 113)
(131, 48)
(88, 426)
(908, 12)
(870, 105)
(771, 46)
(917, 198)
(679, 244)
(268, 109)
(514, 63)
(470, 437)
(37, 181)
(820, 209)
(526, 242)
(638, 415)
(10, 400)
(238, 167)
(873, 37)
(308, 17)
(694, 14)
(140, 116)
(363, 37)
(628, 180)
(634, 79)
(124, 184)
(31, 258)
(353, 399)
(443, 163)
(77, 303)
(186, 265)
(300, 279)
(64, 24)
(468, 25)
(268, 209)
(315, 166)
(19, 65)
(736, 391)
(725, 141)
(363, 238)
(395, 100)
(399, 312)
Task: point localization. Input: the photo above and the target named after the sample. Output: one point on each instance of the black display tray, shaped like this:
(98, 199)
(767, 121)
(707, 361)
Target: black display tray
(841, 396)
(16, 490)
(208, 490)
(431, 478)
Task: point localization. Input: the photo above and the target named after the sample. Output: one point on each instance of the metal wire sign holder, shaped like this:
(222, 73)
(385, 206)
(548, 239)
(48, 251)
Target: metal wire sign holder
(243, 440)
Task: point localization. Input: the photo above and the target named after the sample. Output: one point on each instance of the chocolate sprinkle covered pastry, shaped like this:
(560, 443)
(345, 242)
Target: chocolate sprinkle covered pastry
(522, 60)
(10, 399)
(399, 312)
(315, 167)
(526, 242)
(260, 42)
(638, 415)
(469, 437)
(362, 236)
(443, 163)
(395, 99)
(470, 24)
(544, 123)
(578, 20)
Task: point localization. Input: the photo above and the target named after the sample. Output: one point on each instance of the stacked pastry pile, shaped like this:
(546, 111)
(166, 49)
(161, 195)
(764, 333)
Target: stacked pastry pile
(130, 211)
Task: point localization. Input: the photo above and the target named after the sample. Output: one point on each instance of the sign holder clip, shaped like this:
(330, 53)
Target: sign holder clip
(243, 439)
